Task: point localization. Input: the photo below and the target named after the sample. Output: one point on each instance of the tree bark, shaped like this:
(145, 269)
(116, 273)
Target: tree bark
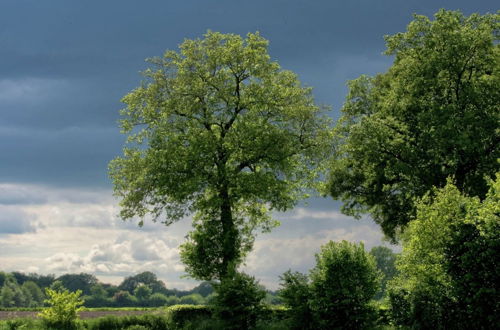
(229, 234)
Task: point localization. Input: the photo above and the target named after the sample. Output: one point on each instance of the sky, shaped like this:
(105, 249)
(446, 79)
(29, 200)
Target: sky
(65, 65)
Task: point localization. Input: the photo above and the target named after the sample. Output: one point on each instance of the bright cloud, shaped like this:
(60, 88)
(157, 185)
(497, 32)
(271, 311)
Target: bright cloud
(59, 231)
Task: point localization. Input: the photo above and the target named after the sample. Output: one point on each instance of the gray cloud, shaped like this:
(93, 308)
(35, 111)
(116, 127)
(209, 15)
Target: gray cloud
(65, 65)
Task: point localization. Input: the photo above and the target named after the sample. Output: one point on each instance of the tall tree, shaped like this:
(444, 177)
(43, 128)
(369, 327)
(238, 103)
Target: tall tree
(221, 132)
(433, 114)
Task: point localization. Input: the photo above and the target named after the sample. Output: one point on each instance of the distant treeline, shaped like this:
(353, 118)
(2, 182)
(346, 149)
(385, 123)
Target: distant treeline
(142, 290)
(18, 289)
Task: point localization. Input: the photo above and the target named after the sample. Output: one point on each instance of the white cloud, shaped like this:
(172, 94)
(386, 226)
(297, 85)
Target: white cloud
(73, 231)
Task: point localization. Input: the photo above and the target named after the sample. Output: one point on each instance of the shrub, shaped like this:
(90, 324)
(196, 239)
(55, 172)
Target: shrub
(239, 301)
(342, 284)
(180, 315)
(63, 310)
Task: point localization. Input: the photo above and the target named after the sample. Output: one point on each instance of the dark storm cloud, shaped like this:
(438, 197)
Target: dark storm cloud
(72, 156)
(65, 65)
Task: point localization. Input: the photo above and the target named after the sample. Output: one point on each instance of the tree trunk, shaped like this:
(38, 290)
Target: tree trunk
(229, 235)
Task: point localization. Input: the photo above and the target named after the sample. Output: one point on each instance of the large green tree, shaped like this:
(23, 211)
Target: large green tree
(433, 114)
(219, 131)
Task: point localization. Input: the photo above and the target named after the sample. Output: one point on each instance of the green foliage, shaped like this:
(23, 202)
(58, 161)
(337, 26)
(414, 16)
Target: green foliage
(82, 281)
(192, 299)
(181, 315)
(448, 271)
(33, 293)
(432, 115)
(385, 260)
(238, 301)
(296, 295)
(343, 282)
(63, 309)
(218, 130)
(22, 324)
(142, 293)
(12, 295)
(204, 289)
(145, 278)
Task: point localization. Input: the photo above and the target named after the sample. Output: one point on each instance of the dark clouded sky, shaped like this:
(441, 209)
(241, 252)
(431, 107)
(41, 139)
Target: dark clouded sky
(64, 66)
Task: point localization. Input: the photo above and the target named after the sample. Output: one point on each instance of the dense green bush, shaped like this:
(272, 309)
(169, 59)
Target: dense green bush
(342, 285)
(239, 301)
(181, 315)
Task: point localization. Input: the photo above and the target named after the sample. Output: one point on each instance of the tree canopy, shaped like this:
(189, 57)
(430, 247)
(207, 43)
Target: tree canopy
(219, 131)
(432, 115)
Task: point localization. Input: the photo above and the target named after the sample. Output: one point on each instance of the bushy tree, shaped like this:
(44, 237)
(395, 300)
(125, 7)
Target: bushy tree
(432, 115)
(221, 132)
(238, 302)
(343, 283)
(296, 294)
(448, 271)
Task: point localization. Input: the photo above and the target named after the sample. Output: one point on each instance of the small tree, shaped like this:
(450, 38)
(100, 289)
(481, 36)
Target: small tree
(63, 310)
(342, 284)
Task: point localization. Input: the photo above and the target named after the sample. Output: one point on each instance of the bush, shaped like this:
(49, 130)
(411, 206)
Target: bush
(342, 284)
(148, 321)
(63, 310)
(239, 301)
